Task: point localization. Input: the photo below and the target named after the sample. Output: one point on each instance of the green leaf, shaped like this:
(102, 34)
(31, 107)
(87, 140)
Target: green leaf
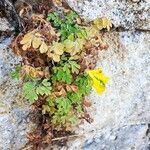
(44, 88)
(16, 73)
(64, 105)
(82, 34)
(79, 109)
(70, 17)
(74, 67)
(66, 25)
(55, 19)
(84, 84)
(50, 102)
(59, 73)
(73, 119)
(75, 98)
(63, 74)
(41, 90)
(45, 82)
(66, 68)
(71, 37)
(69, 45)
(29, 92)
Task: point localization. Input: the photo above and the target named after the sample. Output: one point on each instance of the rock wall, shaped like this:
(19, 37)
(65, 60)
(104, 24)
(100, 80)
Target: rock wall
(14, 111)
(127, 14)
(121, 115)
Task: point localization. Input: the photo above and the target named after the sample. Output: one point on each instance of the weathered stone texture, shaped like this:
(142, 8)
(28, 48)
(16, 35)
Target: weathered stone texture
(123, 13)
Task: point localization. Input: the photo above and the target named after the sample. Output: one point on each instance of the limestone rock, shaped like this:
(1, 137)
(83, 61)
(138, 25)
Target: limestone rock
(5, 25)
(9, 19)
(123, 110)
(121, 115)
(14, 119)
(128, 137)
(122, 13)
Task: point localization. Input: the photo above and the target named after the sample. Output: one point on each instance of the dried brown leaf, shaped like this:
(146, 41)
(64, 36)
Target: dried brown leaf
(87, 103)
(26, 46)
(36, 42)
(56, 57)
(43, 48)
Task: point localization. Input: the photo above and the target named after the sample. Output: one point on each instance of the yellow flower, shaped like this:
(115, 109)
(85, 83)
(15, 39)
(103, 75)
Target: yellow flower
(99, 80)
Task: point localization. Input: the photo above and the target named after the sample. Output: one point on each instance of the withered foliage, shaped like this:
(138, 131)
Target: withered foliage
(32, 44)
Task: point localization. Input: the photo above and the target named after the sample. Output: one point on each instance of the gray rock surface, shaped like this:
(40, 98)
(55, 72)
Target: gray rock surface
(7, 60)
(14, 119)
(5, 25)
(125, 138)
(121, 114)
(123, 13)
(8, 14)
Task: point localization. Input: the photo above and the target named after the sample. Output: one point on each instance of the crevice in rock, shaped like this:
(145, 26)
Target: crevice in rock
(121, 29)
(8, 11)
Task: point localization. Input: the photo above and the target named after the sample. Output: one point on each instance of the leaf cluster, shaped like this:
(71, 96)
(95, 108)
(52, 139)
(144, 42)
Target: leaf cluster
(64, 109)
(66, 25)
(64, 72)
(33, 89)
(56, 56)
